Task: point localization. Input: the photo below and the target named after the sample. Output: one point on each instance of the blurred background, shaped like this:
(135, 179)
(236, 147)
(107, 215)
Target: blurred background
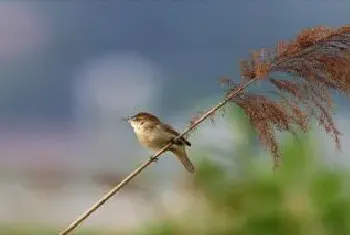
(70, 70)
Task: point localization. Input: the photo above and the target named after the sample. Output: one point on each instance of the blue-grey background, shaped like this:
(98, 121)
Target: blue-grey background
(69, 70)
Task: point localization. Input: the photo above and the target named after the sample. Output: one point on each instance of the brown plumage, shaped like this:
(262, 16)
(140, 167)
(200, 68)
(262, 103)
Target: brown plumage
(154, 134)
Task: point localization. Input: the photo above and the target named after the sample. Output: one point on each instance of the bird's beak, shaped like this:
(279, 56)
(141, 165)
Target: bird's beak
(125, 119)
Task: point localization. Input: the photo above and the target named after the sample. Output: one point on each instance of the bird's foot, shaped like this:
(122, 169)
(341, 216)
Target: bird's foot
(153, 159)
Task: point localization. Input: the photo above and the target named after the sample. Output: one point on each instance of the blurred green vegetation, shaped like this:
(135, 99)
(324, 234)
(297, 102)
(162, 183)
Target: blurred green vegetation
(244, 197)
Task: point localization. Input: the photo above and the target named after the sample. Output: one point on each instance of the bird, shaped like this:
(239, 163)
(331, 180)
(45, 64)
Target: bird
(154, 135)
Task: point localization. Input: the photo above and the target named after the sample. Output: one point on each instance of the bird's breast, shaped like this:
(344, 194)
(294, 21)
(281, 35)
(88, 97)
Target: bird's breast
(152, 138)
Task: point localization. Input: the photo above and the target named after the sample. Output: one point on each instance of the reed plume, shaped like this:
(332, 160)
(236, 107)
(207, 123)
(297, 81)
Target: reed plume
(303, 74)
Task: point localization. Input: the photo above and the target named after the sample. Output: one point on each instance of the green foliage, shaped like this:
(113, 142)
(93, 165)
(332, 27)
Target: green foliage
(301, 198)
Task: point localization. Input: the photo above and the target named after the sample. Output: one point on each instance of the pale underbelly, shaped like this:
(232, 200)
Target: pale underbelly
(155, 142)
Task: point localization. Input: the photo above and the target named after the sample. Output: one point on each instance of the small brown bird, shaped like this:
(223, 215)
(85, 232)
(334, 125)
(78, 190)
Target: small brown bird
(154, 134)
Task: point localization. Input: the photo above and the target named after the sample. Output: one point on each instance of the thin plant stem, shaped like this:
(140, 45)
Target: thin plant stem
(152, 159)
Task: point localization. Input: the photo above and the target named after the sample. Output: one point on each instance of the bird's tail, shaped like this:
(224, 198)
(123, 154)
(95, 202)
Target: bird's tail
(180, 153)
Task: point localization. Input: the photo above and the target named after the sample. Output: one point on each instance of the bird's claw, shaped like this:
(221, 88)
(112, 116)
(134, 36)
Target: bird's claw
(153, 159)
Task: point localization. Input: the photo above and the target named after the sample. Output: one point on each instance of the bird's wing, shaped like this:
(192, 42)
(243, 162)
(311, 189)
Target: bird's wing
(172, 130)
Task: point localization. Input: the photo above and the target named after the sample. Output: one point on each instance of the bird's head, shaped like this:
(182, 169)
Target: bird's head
(142, 118)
